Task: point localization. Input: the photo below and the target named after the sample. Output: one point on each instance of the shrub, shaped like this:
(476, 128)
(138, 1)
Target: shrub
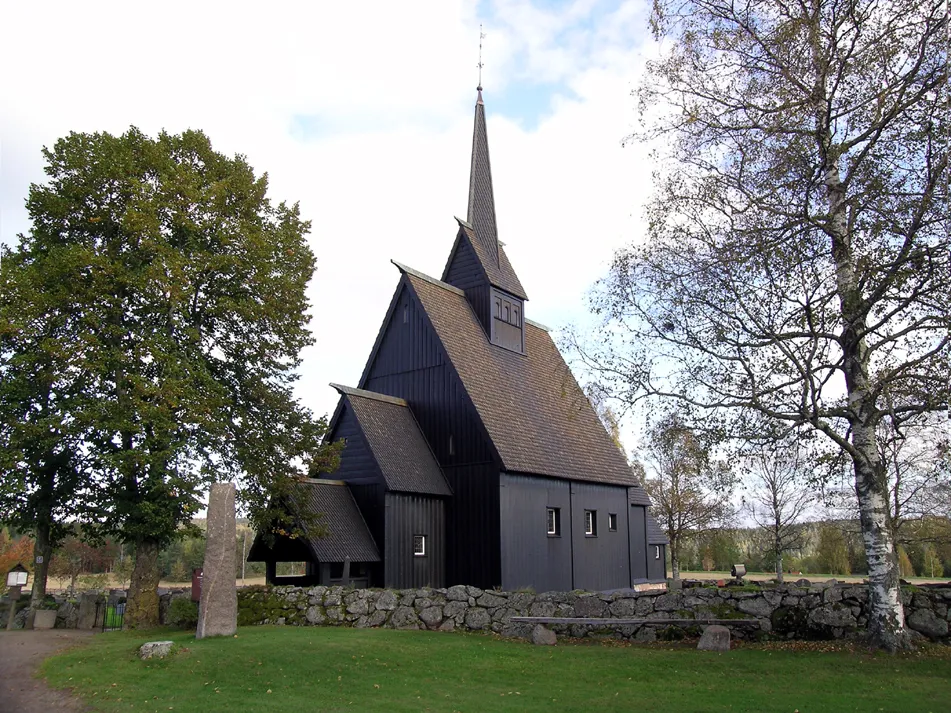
(182, 612)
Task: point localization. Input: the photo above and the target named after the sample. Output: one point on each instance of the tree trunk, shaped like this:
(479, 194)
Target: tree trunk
(42, 551)
(674, 559)
(886, 620)
(142, 607)
(779, 568)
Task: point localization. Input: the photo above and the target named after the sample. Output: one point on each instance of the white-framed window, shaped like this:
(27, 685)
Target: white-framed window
(591, 523)
(612, 522)
(656, 552)
(554, 522)
(419, 545)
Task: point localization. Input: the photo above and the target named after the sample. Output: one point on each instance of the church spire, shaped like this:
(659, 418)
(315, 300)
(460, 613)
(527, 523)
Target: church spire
(481, 214)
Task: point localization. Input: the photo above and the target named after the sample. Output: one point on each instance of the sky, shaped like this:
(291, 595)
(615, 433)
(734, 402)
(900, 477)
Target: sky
(362, 112)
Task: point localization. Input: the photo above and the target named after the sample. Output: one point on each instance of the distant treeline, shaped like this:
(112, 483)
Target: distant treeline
(828, 547)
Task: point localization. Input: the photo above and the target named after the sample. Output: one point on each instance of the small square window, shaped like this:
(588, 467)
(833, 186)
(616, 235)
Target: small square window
(419, 545)
(612, 522)
(554, 522)
(591, 523)
(656, 552)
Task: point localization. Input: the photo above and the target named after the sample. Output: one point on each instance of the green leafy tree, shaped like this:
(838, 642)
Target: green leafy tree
(798, 262)
(44, 479)
(832, 554)
(688, 489)
(185, 315)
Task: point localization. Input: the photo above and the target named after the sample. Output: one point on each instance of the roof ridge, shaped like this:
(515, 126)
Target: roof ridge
(362, 393)
(538, 325)
(322, 481)
(423, 276)
(463, 223)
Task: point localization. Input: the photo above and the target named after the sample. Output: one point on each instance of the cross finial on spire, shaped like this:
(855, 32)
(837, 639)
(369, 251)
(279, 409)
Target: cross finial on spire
(480, 65)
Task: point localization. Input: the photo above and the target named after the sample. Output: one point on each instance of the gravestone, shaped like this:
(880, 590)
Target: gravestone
(543, 636)
(218, 608)
(87, 611)
(715, 638)
(155, 649)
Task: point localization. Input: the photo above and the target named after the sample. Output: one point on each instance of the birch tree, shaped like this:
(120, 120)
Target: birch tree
(778, 497)
(797, 259)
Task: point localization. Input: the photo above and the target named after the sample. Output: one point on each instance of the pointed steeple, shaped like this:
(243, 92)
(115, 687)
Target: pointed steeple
(481, 214)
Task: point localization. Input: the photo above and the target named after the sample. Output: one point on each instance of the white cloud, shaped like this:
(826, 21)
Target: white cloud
(363, 113)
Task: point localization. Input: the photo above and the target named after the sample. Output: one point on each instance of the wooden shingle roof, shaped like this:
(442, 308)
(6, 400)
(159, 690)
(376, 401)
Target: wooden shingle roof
(655, 534)
(346, 534)
(396, 442)
(536, 415)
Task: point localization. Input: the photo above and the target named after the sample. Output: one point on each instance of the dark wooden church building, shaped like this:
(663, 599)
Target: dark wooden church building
(472, 455)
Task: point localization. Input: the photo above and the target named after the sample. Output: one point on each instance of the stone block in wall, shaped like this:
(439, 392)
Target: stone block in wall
(490, 600)
(456, 610)
(669, 602)
(457, 593)
(926, 622)
(831, 617)
(645, 635)
(521, 601)
(431, 617)
(387, 601)
(757, 607)
(474, 592)
(404, 617)
(315, 616)
(478, 619)
(623, 608)
(542, 608)
(358, 607)
(590, 607)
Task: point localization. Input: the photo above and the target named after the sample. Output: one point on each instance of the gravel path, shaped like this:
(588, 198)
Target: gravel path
(21, 653)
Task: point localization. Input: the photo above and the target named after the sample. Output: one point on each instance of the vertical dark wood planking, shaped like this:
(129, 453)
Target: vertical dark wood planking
(600, 562)
(408, 515)
(530, 556)
(638, 542)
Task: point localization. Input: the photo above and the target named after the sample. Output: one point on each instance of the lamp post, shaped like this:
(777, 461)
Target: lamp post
(16, 580)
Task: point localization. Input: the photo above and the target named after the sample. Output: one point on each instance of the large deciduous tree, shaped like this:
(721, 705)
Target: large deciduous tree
(184, 296)
(797, 264)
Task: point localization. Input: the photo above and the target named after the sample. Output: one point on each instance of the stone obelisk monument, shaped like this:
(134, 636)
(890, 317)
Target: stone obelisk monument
(218, 608)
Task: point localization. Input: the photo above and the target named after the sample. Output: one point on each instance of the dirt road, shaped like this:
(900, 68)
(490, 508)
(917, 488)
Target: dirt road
(21, 652)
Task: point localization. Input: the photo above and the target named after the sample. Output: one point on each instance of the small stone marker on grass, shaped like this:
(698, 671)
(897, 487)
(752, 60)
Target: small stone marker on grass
(715, 638)
(543, 636)
(155, 649)
(218, 608)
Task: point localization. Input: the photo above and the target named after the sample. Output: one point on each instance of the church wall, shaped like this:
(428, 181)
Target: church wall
(410, 364)
(656, 563)
(530, 556)
(638, 542)
(602, 561)
(408, 515)
(472, 536)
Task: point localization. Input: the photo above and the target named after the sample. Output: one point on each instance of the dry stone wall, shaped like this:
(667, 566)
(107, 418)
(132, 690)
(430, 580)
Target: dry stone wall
(791, 611)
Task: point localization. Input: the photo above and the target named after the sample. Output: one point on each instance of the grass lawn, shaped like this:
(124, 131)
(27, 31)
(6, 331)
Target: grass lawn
(341, 669)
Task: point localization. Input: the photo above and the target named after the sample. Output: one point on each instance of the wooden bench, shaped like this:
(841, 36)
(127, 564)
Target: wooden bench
(624, 622)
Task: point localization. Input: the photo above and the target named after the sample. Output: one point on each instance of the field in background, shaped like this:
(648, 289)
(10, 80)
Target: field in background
(814, 578)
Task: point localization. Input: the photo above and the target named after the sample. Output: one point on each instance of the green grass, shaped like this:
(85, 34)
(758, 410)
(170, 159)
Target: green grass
(329, 669)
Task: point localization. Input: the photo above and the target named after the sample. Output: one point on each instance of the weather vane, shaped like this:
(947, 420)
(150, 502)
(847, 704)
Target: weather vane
(481, 37)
